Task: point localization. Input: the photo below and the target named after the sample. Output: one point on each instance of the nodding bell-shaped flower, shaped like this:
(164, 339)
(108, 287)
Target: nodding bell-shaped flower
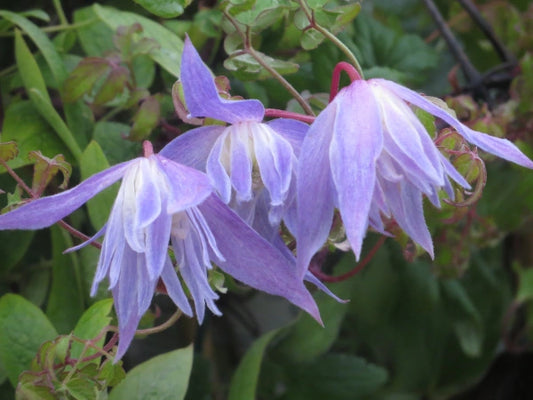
(245, 159)
(161, 202)
(368, 155)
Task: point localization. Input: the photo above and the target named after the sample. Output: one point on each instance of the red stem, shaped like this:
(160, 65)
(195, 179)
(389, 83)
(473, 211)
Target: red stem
(275, 113)
(336, 77)
(358, 267)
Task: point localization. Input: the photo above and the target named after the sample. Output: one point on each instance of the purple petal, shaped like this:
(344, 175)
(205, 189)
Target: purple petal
(252, 260)
(202, 97)
(274, 158)
(193, 147)
(450, 170)
(293, 131)
(406, 139)
(93, 239)
(112, 247)
(502, 148)
(194, 273)
(145, 285)
(46, 211)
(174, 289)
(315, 189)
(218, 175)
(125, 295)
(241, 164)
(188, 187)
(356, 144)
(309, 277)
(405, 202)
(142, 202)
(157, 240)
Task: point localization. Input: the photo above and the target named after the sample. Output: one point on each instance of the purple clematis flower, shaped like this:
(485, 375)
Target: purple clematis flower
(161, 201)
(368, 155)
(244, 160)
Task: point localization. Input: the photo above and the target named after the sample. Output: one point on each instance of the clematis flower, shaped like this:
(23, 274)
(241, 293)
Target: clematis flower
(161, 201)
(368, 155)
(243, 160)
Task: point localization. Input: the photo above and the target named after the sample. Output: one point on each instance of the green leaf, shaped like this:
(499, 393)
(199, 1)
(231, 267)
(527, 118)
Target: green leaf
(96, 38)
(81, 389)
(24, 328)
(145, 119)
(24, 125)
(42, 41)
(335, 377)
(164, 377)
(65, 303)
(165, 8)
(380, 46)
(311, 39)
(36, 88)
(91, 323)
(525, 286)
(29, 70)
(244, 381)
(305, 339)
(168, 55)
(113, 86)
(466, 318)
(47, 110)
(93, 160)
(247, 67)
(111, 138)
(13, 246)
(82, 79)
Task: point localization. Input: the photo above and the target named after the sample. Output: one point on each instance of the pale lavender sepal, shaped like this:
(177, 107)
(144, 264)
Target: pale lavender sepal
(188, 186)
(92, 239)
(502, 148)
(46, 211)
(157, 239)
(252, 260)
(291, 130)
(241, 167)
(406, 140)
(193, 147)
(174, 288)
(356, 144)
(274, 157)
(218, 175)
(201, 95)
(405, 202)
(126, 305)
(315, 190)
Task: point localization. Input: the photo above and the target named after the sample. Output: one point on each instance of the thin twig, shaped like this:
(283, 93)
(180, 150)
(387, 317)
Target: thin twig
(167, 324)
(330, 36)
(470, 72)
(498, 46)
(358, 267)
(275, 74)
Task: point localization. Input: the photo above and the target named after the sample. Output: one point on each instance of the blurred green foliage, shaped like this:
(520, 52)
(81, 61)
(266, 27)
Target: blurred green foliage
(83, 85)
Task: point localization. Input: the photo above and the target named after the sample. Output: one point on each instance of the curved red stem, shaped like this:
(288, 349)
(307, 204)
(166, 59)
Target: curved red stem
(358, 267)
(335, 78)
(275, 113)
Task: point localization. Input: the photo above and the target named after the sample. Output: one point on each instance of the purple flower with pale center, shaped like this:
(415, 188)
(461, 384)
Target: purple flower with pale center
(369, 156)
(245, 159)
(161, 201)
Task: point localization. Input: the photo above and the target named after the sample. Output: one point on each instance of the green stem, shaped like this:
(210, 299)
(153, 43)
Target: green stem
(331, 37)
(156, 329)
(307, 108)
(60, 12)
(275, 74)
(55, 28)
